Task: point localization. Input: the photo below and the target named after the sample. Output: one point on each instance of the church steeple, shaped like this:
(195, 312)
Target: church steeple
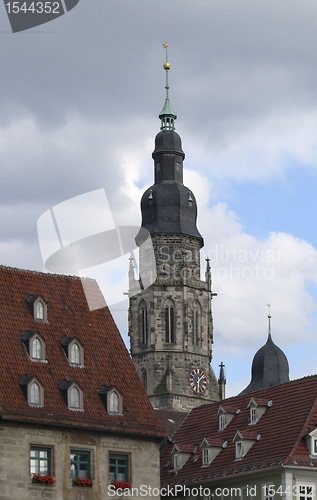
(168, 206)
(170, 321)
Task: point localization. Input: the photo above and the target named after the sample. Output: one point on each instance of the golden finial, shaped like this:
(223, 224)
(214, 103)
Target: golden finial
(166, 65)
(269, 306)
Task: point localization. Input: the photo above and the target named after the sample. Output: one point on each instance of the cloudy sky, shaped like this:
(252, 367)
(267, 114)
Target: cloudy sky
(79, 112)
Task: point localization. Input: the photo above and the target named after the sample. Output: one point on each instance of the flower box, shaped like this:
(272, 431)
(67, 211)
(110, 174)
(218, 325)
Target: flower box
(83, 481)
(122, 485)
(39, 478)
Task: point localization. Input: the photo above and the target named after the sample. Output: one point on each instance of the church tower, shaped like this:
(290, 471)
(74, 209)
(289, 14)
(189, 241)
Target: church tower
(170, 319)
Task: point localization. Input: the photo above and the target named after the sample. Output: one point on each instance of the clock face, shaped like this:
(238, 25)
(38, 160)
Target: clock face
(198, 380)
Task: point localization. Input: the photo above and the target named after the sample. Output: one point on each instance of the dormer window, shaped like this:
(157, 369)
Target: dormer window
(177, 461)
(35, 346)
(210, 448)
(311, 441)
(225, 415)
(34, 394)
(74, 351)
(222, 421)
(75, 354)
(39, 310)
(239, 449)
(33, 390)
(72, 394)
(74, 398)
(245, 441)
(112, 400)
(38, 307)
(253, 414)
(36, 349)
(257, 409)
(205, 456)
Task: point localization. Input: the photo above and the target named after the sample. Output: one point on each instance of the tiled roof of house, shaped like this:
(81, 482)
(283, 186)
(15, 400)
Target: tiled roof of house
(106, 359)
(278, 435)
(170, 419)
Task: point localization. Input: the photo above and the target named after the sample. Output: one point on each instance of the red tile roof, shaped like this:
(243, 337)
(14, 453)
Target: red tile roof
(106, 359)
(282, 427)
(171, 419)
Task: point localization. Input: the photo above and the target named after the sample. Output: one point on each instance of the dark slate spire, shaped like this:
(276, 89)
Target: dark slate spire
(168, 206)
(269, 366)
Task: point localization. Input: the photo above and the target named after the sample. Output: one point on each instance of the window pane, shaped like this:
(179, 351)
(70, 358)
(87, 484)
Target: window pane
(74, 398)
(40, 461)
(75, 354)
(35, 394)
(40, 310)
(80, 464)
(118, 469)
(36, 349)
(114, 402)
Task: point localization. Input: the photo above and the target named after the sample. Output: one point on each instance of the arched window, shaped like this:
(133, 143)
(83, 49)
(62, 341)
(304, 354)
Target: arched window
(75, 354)
(74, 398)
(144, 323)
(36, 349)
(114, 402)
(169, 322)
(39, 310)
(196, 324)
(144, 378)
(35, 398)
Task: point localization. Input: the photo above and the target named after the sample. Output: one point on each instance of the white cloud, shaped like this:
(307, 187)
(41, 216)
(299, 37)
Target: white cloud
(248, 273)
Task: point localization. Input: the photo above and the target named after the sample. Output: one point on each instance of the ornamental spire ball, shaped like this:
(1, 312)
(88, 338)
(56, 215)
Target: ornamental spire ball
(166, 65)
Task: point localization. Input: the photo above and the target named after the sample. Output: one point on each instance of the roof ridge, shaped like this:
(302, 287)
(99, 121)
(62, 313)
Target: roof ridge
(43, 273)
(267, 388)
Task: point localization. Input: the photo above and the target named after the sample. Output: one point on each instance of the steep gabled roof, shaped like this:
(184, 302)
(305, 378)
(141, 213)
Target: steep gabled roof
(106, 359)
(279, 435)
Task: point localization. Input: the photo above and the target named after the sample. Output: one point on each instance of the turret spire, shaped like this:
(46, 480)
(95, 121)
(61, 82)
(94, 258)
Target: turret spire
(269, 316)
(167, 114)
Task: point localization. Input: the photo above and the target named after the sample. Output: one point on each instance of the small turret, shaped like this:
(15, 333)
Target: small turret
(269, 366)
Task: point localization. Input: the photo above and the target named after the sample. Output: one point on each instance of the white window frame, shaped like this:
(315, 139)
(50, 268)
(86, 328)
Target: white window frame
(40, 401)
(222, 421)
(80, 406)
(239, 449)
(80, 352)
(30, 349)
(177, 461)
(253, 414)
(265, 488)
(205, 456)
(40, 315)
(303, 493)
(110, 407)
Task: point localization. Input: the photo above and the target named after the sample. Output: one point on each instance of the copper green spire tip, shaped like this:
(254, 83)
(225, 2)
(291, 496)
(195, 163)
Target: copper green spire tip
(167, 115)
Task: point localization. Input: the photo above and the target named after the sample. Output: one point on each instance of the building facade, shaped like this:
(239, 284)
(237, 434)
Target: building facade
(261, 446)
(170, 320)
(72, 406)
